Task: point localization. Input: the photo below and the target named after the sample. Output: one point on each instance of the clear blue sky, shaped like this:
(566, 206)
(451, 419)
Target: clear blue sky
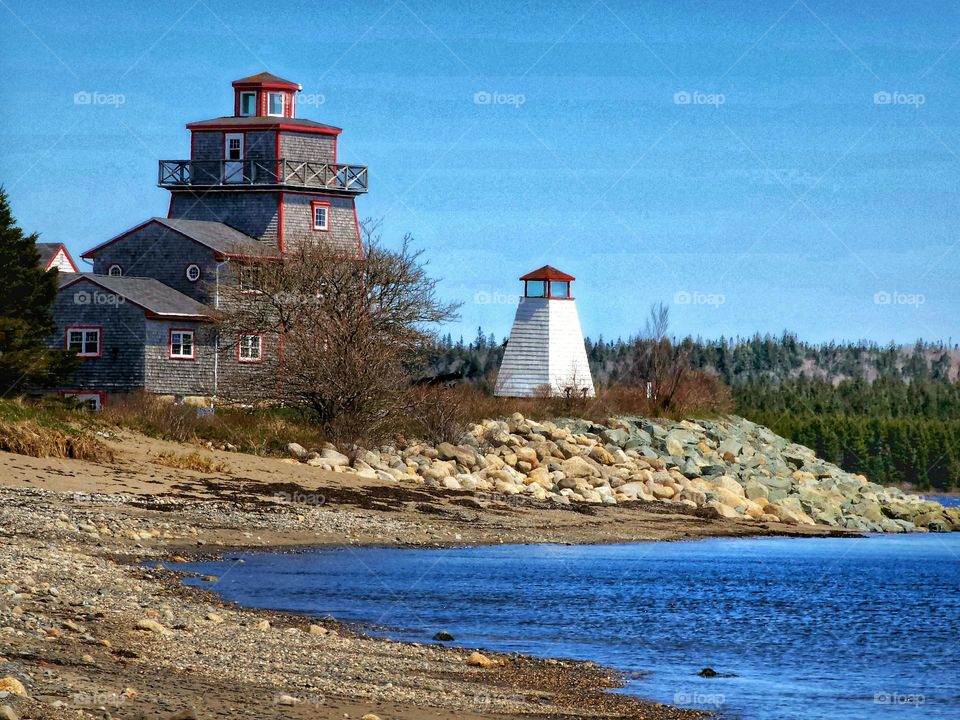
(784, 195)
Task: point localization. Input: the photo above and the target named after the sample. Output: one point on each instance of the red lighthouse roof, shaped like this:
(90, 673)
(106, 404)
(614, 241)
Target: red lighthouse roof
(266, 79)
(548, 272)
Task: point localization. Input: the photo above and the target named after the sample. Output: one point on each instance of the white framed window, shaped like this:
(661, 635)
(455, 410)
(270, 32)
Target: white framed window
(250, 348)
(115, 271)
(321, 215)
(248, 104)
(181, 345)
(85, 342)
(275, 104)
(193, 272)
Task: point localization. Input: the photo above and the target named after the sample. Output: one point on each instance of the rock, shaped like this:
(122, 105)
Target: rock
(287, 700)
(7, 713)
(715, 510)
(262, 625)
(297, 450)
(152, 626)
(673, 445)
(615, 436)
(333, 458)
(13, 686)
(482, 661)
(577, 467)
(214, 618)
(444, 636)
(317, 630)
(602, 455)
(462, 455)
(755, 490)
(370, 716)
(708, 672)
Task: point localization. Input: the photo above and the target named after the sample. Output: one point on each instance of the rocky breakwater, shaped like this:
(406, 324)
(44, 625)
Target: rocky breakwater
(730, 468)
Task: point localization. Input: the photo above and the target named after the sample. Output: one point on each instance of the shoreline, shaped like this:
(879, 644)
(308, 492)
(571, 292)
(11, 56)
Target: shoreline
(73, 536)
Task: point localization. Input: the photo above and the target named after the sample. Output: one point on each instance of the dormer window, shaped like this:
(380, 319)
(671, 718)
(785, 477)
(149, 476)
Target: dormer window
(248, 104)
(115, 271)
(275, 104)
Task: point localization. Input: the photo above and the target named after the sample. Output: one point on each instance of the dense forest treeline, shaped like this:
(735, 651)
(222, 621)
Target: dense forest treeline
(889, 412)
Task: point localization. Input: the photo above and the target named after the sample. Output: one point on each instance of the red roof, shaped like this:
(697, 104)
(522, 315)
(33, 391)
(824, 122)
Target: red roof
(265, 79)
(548, 272)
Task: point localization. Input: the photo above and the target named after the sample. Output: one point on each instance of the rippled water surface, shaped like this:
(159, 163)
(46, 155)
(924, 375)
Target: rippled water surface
(861, 629)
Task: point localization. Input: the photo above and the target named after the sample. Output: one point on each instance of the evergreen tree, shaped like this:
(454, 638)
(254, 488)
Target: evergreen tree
(27, 294)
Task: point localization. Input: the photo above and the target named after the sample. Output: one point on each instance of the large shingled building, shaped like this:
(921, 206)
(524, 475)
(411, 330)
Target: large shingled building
(256, 183)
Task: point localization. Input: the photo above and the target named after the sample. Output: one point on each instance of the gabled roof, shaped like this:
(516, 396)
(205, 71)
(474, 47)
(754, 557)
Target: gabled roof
(264, 78)
(157, 299)
(548, 272)
(48, 253)
(224, 240)
(265, 121)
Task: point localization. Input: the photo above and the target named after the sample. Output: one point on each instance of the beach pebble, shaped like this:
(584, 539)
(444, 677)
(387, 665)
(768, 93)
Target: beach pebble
(7, 713)
(479, 660)
(13, 686)
(152, 626)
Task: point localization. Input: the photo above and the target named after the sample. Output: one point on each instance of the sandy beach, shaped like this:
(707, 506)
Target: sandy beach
(95, 619)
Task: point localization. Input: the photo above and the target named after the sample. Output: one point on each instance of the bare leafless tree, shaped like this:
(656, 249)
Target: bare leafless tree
(657, 360)
(350, 330)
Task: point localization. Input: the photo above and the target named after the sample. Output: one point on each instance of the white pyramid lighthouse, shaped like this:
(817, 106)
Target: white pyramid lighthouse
(545, 352)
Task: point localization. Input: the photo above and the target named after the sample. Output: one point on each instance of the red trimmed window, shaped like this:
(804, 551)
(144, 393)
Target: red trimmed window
(250, 348)
(182, 346)
(248, 103)
(320, 215)
(85, 342)
(275, 104)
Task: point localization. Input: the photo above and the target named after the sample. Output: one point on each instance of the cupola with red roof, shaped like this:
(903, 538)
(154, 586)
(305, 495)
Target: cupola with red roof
(265, 95)
(547, 282)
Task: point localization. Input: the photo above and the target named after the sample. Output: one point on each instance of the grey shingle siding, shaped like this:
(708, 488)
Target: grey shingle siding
(298, 221)
(161, 253)
(120, 367)
(250, 212)
(303, 146)
(176, 376)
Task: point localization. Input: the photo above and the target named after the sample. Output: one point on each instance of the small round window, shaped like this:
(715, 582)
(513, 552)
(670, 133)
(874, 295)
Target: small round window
(193, 272)
(115, 271)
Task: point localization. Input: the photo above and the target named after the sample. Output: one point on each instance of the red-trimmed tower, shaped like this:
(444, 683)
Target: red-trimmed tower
(545, 351)
(266, 172)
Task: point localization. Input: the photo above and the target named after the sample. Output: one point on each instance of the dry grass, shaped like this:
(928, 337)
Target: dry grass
(192, 461)
(262, 431)
(30, 438)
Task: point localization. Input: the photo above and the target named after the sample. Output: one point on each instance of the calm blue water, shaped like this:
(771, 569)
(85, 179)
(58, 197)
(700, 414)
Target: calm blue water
(859, 629)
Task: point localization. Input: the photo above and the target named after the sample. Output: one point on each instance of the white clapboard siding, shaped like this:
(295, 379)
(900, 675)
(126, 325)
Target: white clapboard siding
(61, 262)
(545, 349)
